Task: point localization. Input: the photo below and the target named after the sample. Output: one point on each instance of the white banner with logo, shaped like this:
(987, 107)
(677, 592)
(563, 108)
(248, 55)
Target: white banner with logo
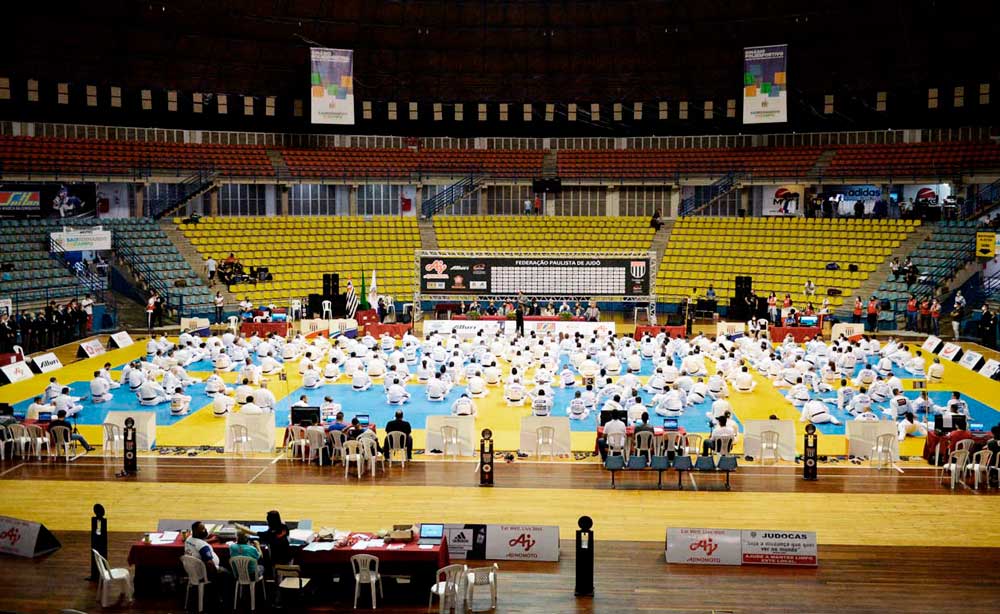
(970, 359)
(17, 372)
(123, 339)
(470, 328)
(989, 368)
(18, 536)
(466, 541)
(91, 348)
(781, 200)
(704, 546)
(848, 329)
(6, 306)
(47, 362)
(931, 344)
(951, 351)
(332, 86)
(795, 548)
(725, 329)
(315, 326)
(80, 240)
(522, 542)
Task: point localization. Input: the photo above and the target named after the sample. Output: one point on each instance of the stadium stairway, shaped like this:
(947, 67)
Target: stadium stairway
(428, 238)
(193, 258)
(278, 162)
(823, 161)
(550, 164)
(659, 245)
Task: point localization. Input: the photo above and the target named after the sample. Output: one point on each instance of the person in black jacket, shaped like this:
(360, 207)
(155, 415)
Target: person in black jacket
(401, 426)
(988, 327)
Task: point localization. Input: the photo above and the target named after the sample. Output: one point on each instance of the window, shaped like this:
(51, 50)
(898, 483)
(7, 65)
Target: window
(366, 109)
(223, 104)
(682, 110)
(4, 88)
(91, 95)
(467, 206)
(503, 112)
(378, 199)
(709, 109)
(414, 112)
(32, 90)
(242, 199)
(595, 112)
(314, 199)
(664, 111)
(642, 201)
(62, 90)
(527, 111)
(637, 111)
(197, 103)
(459, 112)
(172, 100)
(116, 97)
(932, 98)
(507, 199)
(571, 112)
(828, 104)
(392, 110)
(269, 106)
(147, 100)
(297, 107)
(582, 201)
(248, 106)
(482, 112)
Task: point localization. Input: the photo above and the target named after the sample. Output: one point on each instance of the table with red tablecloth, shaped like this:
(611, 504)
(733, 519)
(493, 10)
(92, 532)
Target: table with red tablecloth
(979, 439)
(264, 328)
(669, 331)
(396, 331)
(526, 318)
(9, 359)
(799, 333)
(368, 317)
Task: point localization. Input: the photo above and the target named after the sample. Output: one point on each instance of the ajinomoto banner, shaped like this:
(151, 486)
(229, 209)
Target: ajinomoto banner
(765, 84)
(332, 86)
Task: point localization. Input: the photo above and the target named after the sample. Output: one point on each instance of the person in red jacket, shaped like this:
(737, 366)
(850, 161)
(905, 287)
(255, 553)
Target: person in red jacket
(911, 313)
(924, 325)
(873, 310)
(858, 307)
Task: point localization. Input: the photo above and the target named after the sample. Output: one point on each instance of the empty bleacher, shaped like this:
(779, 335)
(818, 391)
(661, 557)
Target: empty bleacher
(394, 162)
(37, 155)
(779, 253)
(36, 276)
(951, 245)
(935, 159)
(653, 163)
(542, 234)
(299, 250)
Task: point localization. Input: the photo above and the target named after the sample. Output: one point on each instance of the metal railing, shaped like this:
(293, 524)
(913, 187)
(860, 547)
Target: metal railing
(145, 274)
(450, 195)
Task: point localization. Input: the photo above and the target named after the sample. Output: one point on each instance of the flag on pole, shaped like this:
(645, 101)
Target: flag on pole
(373, 292)
(364, 296)
(352, 299)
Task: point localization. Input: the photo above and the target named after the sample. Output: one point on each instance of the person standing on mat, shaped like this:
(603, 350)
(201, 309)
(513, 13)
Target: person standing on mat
(519, 320)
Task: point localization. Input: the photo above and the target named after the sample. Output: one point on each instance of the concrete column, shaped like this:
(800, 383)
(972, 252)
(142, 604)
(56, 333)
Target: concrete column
(745, 200)
(352, 201)
(612, 206)
(213, 202)
(140, 197)
(675, 202)
(283, 204)
(418, 200)
(482, 200)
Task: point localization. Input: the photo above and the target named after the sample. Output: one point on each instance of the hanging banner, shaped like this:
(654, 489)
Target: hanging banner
(332, 86)
(986, 244)
(765, 89)
(82, 239)
(781, 199)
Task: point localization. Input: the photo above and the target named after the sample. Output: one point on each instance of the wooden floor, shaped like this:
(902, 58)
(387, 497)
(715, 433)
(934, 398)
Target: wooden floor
(629, 577)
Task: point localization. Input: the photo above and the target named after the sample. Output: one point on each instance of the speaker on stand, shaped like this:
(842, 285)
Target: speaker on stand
(738, 305)
(331, 284)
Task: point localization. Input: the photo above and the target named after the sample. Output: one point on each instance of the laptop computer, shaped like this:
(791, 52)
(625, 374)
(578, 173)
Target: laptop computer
(670, 424)
(45, 416)
(363, 419)
(431, 534)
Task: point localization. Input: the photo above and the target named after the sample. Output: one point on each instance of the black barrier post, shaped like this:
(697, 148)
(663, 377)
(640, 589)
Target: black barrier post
(98, 539)
(131, 465)
(584, 558)
(810, 453)
(486, 458)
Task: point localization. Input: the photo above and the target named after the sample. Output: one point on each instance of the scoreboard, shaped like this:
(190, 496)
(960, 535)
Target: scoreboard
(536, 274)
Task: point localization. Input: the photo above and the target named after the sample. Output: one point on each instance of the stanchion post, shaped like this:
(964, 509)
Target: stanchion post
(810, 453)
(584, 558)
(98, 539)
(486, 458)
(130, 445)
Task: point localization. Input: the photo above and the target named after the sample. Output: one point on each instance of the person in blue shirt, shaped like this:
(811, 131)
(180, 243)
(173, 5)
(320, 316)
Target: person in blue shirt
(244, 547)
(710, 293)
(338, 424)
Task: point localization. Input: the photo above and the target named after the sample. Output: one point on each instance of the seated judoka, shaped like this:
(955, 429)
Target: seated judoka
(671, 404)
(65, 402)
(52, 390)
(269, 365)
(265, 398)
(577, 409)
(866, 414)
(866, 377)
(844, 394)
(910, 426)
(436, 389)
(331, 371)
(214, 385)
(476, 386)
(514, 393)
(915, 365)
(817, 412)
(360, 380)
(898, 405)
(720, 407)
(100, 389)
(396, 394)
(744, 382)
(151, 393)
(799, 393)
(880, 392)
(105, 373)
(698, 393)
(935, 372)
(628, 382)
(180, 403)
(251, 409)
(310, 379)
(923, 404)
(694, 365)
(859, 402)
(717, 387)
(222, 403)
(376, 367)
(884, 366)
(491, 374)
(243, 391)
(463, 406)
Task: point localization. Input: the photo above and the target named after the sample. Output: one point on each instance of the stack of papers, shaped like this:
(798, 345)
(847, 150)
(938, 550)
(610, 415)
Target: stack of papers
(167, 537)
(303, 535)
(319, 546)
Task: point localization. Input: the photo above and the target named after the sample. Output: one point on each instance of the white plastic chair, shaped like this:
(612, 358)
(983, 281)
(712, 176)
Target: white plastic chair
(979, 464)
(365, 572)
(371, 451)
(64, 443)
(446, 586)
(545, 436)
(316, 438)
(481, 576)
(883, 450)
(197, 578)
(295, 312)
(692, 444)
(327, 310)
(20, 440)
(353, 453)
(955, 466)
(6, 439)
(240, 437)
(397, 447)
(769, 446)
(616, 445)
(241, 569)
(670, 442)
(964, 444)
(337, 439)
(234, 324)
(645, 443)
(37, 437)
(114, 441)
(449, 439)
(297, 441)
(289, 578)
(112, 583)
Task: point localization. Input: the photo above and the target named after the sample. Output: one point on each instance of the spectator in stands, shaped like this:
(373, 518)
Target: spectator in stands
(220, 304)
(772, 307)
(957, 315)
(210, 267)
(655, 223)
(401, 426)
(987, 327)
(894, 266)
(87, 305)
(858, 308)
(859, 209)
(874, 308)
(710, 293)
(911, 313)
(593, 314)
(527, 206)
(538, 204)
(936, 317)
(519, 320)
(810, 288)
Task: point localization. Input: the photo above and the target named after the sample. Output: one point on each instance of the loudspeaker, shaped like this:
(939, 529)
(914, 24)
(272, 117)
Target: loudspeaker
(744, 285)
(551, 186)
(810, 454)
(331, 284)
(315, 305)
